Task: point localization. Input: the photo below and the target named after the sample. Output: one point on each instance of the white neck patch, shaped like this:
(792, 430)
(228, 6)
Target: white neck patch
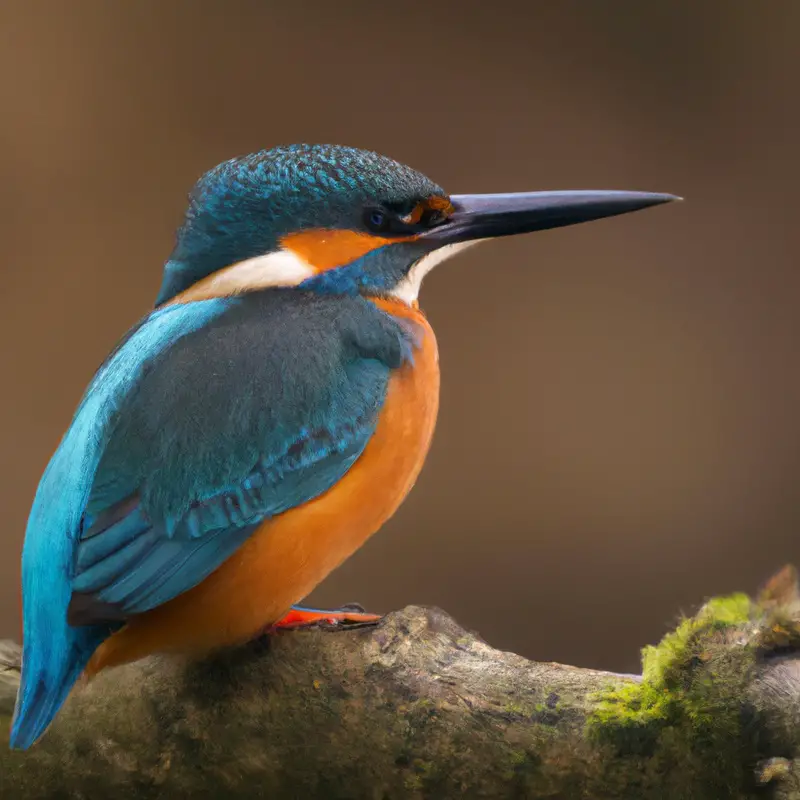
(408, 288)
(280, 268)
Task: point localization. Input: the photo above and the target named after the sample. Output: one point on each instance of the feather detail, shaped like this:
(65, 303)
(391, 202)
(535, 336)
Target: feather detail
(54, 653)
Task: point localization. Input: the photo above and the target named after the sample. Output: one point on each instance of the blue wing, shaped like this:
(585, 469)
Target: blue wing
(207, 419)
(128, 563)
(54, 653)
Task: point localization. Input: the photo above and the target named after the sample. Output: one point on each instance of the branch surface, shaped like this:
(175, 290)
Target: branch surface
(417, 707)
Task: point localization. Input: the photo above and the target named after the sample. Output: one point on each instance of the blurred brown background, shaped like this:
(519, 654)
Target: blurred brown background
(619, 434)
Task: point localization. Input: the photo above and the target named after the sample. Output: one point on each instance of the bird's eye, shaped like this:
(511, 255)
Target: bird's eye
(377, 219)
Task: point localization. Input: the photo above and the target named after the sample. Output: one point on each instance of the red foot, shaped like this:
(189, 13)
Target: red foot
(306, 617)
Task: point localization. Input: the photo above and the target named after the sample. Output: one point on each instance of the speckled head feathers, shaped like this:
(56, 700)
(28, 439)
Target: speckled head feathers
(241, 208)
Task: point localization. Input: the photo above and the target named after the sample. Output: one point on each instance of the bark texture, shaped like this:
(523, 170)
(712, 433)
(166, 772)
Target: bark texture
(417, 707)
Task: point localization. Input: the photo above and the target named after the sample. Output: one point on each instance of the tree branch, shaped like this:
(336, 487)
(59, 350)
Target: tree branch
(419, 708)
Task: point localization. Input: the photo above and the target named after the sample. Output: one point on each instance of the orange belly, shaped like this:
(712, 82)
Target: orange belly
(291, 553)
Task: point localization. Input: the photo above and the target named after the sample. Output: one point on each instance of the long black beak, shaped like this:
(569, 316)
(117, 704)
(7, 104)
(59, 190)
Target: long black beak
(481, 216)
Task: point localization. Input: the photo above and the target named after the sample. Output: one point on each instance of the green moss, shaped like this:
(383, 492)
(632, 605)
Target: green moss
(661, 662)
(691, 685)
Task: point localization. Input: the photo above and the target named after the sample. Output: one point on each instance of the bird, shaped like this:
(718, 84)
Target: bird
(269, 413)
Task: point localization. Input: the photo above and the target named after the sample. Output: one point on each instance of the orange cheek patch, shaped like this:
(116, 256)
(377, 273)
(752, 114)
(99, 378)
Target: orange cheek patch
(327, 249)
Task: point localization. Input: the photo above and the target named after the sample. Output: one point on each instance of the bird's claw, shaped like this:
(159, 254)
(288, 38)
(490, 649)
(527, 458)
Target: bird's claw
(350, 615)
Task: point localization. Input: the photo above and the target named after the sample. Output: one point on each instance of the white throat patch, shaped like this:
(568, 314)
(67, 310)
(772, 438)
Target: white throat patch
(408, 288)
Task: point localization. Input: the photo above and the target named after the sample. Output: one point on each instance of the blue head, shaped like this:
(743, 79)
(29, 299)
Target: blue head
(341, 220)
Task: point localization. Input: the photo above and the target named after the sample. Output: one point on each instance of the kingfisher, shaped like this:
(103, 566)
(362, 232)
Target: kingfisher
(256, 427)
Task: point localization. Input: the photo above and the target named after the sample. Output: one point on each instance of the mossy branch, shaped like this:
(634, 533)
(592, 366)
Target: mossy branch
(419, 708)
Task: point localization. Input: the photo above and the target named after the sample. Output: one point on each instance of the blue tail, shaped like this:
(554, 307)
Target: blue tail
(54, 653)
(46, 681)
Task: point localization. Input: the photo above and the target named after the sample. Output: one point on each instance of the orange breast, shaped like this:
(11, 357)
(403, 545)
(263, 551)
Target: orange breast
(291, 553)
